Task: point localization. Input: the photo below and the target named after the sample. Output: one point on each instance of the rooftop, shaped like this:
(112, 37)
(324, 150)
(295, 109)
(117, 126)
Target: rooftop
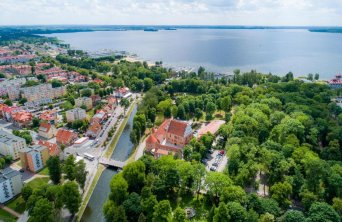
(8, 138)
(7, 173)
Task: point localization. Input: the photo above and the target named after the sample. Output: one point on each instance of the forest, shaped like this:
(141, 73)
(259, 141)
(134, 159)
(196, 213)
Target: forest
(277, 128)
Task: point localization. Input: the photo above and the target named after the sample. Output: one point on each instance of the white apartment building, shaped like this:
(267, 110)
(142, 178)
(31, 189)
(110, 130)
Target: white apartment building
(11, 145)
(10, 184)
(88, 102)
(75, 114)
(42, 92)
(11, 87)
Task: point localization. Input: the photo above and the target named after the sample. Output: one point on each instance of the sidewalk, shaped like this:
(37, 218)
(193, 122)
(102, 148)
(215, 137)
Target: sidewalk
(9, 210)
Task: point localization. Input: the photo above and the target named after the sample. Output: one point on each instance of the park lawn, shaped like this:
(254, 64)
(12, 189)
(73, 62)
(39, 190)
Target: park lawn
(38, 182)
(17, 204)
(44, 172)
(5, 216)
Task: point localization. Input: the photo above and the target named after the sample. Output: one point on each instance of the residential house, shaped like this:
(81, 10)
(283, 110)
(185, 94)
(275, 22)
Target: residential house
(17, 58)
(123, 92)
(2, 106)
(84, 101)
(11, 145)
(22, 118)
(11, 184)
(65, 137)
(43, 92)
(53, 148)
(94, 129)
(95, 99)
(170, 137)
(336, 83)
(75, 114)
(49, 116)
(47, 130)
(33, 158)
(8, 111)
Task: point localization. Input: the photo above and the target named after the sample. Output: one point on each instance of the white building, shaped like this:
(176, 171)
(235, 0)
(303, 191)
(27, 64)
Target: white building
(42, 92)
(75, 114)
(11, 145)
(10, 184)
(86, 101)
(11, 88)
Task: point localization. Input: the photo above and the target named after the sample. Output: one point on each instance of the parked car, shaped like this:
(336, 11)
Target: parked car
(213, 168)
(21, 170)
(221, 152)
(211, 151)
(215, 164)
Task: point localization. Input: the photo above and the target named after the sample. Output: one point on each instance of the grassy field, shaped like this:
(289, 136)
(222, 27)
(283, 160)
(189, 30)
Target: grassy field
(38, 182)
(7, 217)
(18, 204)
(117, 135)
(90, 191)
(44, 172)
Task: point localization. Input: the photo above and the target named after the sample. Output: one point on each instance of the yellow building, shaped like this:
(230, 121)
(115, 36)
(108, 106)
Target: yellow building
(34, 157)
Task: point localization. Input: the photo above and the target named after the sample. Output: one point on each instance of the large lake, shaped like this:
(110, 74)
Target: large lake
(222, 50)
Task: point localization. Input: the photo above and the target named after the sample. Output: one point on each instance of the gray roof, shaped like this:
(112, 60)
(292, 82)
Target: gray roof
(8, 138)
(7, 173)
(34, 148)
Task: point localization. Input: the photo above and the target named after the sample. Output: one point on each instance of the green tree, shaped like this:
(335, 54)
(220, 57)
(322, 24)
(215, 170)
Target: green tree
(293, 216)
(281, 192)
(55, 170)
(148, 83)
(132, 206)
(322, 212)
(162, 212)
(71, 196)
(42, 211)
(114, 213)
(221, 213)
(118, 187)
(134, 174)
(26, 192)
(8, 102)
(70, 168)
(56, 83)
(179, 215)
(237, 213)
(124, 103)
(81, 173)
(215, 181)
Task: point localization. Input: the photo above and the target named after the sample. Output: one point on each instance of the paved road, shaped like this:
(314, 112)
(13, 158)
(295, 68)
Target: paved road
(140, 150)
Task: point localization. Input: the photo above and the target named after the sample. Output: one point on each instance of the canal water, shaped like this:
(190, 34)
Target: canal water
(93, 211)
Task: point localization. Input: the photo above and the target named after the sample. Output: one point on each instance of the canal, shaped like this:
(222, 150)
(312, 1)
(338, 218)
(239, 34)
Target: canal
(123, 149)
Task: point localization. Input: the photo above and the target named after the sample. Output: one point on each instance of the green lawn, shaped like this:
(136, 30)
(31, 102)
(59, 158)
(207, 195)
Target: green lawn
(38, 182)
(5, 216)
(18, 204)
(45, 171)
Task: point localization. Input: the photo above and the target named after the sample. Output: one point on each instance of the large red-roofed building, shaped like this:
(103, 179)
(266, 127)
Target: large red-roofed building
(169, 138)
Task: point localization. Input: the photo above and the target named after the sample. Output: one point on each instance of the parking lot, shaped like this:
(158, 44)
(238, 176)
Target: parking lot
(216, 161)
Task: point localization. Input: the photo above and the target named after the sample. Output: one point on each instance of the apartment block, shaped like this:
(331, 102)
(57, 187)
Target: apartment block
(86, 101)
(11, 145)
(42, 92)
(34, 157)
(75, 114)
(10, 184)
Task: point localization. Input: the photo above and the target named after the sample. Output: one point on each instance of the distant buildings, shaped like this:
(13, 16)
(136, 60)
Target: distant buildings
(65, 137)
(337, 82)
(94, 129)
(47, 130)
(11, 59)
(86, 101)
(53, 148)
(170, 137)
(11, 145)
(75, 114)
(34, 157)
(10, 183)
(11, 87)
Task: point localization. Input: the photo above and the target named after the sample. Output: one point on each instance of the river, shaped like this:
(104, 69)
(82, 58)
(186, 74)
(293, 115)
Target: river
(123, 149)
(222, 50)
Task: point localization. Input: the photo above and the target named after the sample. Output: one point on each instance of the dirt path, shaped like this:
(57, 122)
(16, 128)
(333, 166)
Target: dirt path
(9, 210)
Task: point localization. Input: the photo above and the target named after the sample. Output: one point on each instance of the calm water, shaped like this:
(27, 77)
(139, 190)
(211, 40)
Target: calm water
(277, 51)
(93, 212)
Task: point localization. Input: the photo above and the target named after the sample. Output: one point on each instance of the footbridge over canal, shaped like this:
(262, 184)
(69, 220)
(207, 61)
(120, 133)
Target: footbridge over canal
(107, 162)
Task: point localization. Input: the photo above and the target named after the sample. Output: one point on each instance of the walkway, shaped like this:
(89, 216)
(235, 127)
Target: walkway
(111, 162)
(140, 150)
(9, 210)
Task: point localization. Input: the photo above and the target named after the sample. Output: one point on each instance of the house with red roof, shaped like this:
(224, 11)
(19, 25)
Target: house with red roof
(22, 118)
(94, 129)
(49, 116)
(2, 106)
(169, 138)
(47, 130)
(65, 137)
(8, 111)
(54, 150)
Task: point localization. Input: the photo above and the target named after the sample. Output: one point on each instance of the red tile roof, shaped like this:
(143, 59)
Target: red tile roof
(177, 127)
(54, 150)
(48, 115)
(45, 127)
(65, 136)
(95, 127)
(22, 116)
(151, 139)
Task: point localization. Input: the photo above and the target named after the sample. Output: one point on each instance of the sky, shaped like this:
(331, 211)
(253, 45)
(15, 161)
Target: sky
(172, 12)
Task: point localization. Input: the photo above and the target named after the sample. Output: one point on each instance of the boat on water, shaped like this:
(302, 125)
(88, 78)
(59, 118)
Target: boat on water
(170, 29)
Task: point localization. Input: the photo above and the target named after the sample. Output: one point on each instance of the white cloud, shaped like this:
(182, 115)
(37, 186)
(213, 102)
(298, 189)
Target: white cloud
(211, 12)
